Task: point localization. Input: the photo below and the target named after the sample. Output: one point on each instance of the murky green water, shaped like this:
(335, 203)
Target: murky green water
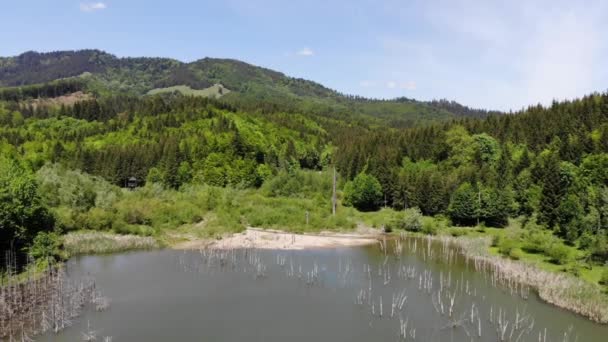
(317, 295)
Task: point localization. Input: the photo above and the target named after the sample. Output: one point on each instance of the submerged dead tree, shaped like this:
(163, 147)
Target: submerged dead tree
(33, 302)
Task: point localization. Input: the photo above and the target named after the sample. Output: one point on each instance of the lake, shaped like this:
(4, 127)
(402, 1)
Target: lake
(342, 294)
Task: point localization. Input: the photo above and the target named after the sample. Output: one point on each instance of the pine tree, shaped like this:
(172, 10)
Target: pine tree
(552, 192)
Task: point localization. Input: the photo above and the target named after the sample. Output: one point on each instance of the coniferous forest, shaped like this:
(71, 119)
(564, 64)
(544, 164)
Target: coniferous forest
(77, 129)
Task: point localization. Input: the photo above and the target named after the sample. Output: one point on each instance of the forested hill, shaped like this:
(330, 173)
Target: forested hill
(82, 124)
(242, 84)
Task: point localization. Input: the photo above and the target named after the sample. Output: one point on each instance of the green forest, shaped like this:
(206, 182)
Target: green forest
(264, 154)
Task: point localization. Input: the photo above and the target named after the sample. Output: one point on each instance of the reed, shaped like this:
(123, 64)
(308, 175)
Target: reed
(560, 289)
(77, 243)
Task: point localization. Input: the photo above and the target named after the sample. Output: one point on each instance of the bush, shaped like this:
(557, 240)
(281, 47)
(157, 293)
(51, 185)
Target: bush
(429, 228)
(516, 254)
(46, 247)
(558, 253)
(538, 241)
(363, 193)
(409, 219)
(506, 246)
(65, 219)
(496, 239)
(98, 219)
(302, 184)
(575, 270)
(604, 278)
(456, 232)
(79, 191)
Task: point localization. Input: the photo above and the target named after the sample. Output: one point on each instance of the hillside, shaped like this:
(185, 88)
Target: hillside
(76, 127)
(250, 86)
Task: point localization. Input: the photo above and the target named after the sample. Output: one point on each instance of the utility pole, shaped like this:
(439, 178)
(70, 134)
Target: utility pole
(333, 196)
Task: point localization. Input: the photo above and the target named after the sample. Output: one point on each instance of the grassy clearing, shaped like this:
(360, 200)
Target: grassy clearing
(216, 90)
(533, 247)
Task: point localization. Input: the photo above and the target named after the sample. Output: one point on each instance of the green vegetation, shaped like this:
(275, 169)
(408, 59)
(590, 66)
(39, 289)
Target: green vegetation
(86, 242)
(535, 181)
(22, 213)
(47, 246)
(253, 89)
(409, 219)
(604, 278)
(216, 90)
(364, 192)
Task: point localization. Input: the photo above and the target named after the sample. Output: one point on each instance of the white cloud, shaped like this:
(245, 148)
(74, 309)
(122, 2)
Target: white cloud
(502, 55)
(306, 52)
(411, 85)
(367, 84)
(92, 6)
(561, 60)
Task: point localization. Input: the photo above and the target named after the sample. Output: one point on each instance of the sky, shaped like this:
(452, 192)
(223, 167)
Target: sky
(486, 54)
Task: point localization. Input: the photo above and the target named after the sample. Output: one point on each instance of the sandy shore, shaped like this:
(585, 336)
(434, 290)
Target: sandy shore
(272, 239)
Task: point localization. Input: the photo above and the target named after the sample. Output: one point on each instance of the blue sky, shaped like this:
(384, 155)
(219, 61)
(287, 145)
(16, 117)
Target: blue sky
(489, 54)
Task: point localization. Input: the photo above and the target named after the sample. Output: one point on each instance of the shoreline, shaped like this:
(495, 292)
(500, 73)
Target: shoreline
(280, 240)
(559, 289)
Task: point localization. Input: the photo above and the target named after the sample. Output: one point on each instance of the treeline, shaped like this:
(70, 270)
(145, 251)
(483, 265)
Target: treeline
(175, 139)
(254, 89)
(45, 90)
(546, 164)
(171, 140)
(461, 110)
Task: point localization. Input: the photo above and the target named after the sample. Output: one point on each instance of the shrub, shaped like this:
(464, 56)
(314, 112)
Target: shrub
(456, 232)
(409, 219)
(429, 227)
(46, 247)
(604, 277)
(558, 253)
(364, 192)
(98, 219)
(65, 219)
(506, 246)
(575, 270)
(537, 241)
(80, 191)
(516, 254)
(303, 184)
(496, 239)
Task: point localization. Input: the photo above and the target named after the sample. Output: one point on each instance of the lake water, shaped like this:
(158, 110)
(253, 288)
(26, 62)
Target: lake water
(313, 295)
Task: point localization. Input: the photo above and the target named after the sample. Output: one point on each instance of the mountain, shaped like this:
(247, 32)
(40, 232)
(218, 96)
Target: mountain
(248, 86)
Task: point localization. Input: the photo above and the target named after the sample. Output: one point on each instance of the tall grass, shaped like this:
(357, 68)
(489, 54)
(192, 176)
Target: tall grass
(76, 243)
(560, 289)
